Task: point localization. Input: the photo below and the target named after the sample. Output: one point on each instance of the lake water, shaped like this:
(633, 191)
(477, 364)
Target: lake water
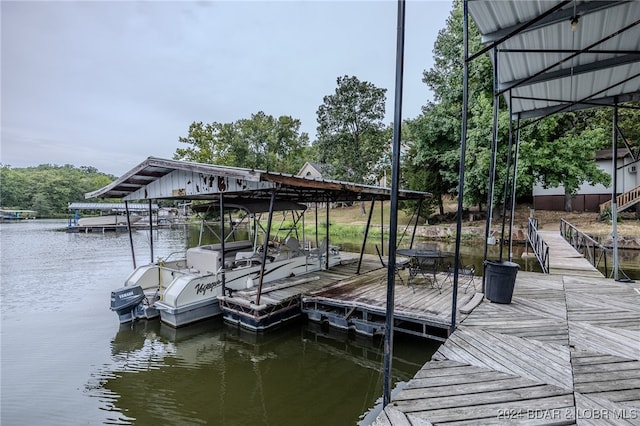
(67, 361)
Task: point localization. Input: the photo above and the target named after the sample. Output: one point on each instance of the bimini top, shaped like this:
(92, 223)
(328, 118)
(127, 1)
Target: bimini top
(559, 56)
(156, 178)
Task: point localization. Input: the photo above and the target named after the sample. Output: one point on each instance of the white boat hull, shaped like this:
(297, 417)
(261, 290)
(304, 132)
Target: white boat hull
(188, 289)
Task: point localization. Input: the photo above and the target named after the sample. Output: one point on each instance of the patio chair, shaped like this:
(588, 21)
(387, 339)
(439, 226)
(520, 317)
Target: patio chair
(401, 264)
(468, 272)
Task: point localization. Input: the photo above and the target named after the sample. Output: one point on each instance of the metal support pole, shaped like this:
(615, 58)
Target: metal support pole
(382, 226)
(265, 246)
(463, 151)
(151, 229)
(614, 194)
(326, 249)
(393, 222)
(133, 254)
(222, 239)
(506, 179)
(415, 225)
(492, 167)
(366, 234)
(513, 188)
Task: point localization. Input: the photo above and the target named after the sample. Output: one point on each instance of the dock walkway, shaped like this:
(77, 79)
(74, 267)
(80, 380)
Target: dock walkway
(565, 351)
(564, 259)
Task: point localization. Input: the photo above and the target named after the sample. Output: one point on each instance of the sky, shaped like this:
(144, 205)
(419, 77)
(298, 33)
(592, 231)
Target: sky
(107, 84)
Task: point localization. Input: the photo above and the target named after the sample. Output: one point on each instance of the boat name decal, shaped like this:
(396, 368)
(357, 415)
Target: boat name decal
(202, 288)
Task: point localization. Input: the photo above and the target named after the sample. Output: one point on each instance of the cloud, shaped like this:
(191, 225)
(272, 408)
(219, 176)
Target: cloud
(108, 84)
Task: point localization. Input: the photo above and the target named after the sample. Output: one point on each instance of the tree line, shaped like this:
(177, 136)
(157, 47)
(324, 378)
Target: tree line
(48, 188)
(354, 144)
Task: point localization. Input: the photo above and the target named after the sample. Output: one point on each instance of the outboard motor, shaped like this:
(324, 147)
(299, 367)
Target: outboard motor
(125, 300)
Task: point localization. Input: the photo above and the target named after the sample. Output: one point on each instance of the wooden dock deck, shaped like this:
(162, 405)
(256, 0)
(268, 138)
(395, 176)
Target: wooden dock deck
(343, 299)
(279, 300)
(359, 304)
(565, 351)
(564, 259)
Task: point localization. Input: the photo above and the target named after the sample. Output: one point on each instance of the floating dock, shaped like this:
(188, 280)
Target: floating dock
(280, 300)
(565, 351)
(346, 300)
(420, 309)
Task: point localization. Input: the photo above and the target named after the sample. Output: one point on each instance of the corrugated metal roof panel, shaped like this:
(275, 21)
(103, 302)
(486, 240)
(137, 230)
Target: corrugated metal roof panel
(553, 52)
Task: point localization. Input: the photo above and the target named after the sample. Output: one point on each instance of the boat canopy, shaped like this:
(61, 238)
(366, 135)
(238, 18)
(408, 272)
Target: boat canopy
(157, 178)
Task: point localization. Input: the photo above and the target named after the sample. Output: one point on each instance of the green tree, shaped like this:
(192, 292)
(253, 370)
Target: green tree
(556, 151)
(260, 142)
(437, 129)
(47, 188)
(351, 133)
(563, 154)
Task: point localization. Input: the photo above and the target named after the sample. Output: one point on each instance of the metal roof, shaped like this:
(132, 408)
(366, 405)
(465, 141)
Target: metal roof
(157, 178)
(559, 56)
(110, 206)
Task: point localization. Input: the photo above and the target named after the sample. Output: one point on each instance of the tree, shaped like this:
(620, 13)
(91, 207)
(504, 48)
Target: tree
(567, 160)
(350, 133)
(260, 142)
(47, 188)
(556, 151)
(437, 129)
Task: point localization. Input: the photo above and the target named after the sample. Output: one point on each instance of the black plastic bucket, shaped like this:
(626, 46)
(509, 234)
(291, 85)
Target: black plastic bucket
(500, 279)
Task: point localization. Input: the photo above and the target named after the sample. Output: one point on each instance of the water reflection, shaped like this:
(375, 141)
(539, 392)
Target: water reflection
(219, 374)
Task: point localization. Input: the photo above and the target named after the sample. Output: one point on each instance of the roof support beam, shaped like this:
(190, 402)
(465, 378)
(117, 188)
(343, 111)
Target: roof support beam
(568, 72)
(559, 16)
(516, 29)
(582, 104)
(558, 63)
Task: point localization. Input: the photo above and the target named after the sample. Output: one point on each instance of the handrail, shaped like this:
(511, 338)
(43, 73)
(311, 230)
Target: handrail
(539, 246)
(592, 250)
(624, 200)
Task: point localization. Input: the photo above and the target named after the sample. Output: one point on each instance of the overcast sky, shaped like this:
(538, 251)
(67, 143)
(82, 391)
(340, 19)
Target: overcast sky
(108, 84)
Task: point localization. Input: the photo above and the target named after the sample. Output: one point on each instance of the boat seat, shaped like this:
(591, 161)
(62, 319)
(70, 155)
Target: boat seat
(241, 255)
(293, 245)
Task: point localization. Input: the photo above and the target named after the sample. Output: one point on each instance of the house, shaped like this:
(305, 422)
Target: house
(589, 197)
(311, 170)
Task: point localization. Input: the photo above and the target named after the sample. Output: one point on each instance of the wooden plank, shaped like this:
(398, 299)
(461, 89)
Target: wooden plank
(529, 358)
(502, 412)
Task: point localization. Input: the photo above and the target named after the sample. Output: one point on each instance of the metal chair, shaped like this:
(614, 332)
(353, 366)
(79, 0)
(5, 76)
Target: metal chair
(466, 271)
(401, 265)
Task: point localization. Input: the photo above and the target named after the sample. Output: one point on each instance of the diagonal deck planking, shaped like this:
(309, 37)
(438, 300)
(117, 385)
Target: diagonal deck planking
(565, 351)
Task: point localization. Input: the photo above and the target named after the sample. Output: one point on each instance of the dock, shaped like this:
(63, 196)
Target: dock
(564, 259)
(280, 300)
(420, 308)
(354, 302)
(565, 351)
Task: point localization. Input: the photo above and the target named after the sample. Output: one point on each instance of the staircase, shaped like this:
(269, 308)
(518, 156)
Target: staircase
(624, 200)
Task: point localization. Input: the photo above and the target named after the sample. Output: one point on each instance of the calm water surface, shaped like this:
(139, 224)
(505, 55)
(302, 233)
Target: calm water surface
(67, 361)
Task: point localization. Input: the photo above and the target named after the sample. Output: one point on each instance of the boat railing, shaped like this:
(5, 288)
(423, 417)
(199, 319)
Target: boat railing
(592, 250)
(168, 257)
(539, 246)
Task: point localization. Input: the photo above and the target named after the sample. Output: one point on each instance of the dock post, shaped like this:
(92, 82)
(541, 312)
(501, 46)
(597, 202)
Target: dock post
(393, 220)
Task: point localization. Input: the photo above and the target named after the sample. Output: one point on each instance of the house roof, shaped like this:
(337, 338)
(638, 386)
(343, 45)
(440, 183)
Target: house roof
(157, 178)
(551, 65)
(317, 166)
(606, 154)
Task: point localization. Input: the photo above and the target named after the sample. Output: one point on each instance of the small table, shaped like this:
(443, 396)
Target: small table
(424, 263)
